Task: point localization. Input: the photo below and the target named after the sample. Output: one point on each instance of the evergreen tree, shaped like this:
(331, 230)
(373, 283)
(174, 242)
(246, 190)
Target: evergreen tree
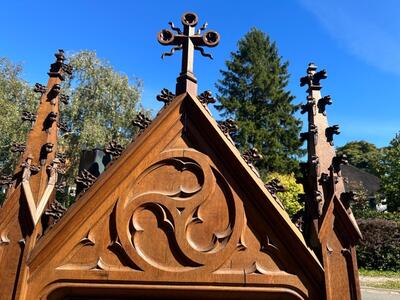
(253, 92)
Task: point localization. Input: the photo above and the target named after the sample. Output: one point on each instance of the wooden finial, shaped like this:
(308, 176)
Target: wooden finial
(187, 41)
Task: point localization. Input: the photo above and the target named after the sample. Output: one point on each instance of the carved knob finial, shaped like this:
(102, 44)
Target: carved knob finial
(17, 147)
(141, 121)
(330, 131)
(313, 77)
(323, 102)
(252, 155)
(60, 56)
(166, 96)
(114, 149)
(206, 98)
(347, 197)
(58, 68)
(337, 161)
(39, 88)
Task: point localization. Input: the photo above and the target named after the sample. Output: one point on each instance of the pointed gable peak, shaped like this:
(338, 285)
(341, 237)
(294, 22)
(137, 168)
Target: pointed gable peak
(182, 182)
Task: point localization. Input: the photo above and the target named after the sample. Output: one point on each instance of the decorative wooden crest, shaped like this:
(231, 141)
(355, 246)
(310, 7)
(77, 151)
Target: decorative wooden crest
(188, 40)
(179, 205)
(330, 227)
(179, 210)
(33, 185)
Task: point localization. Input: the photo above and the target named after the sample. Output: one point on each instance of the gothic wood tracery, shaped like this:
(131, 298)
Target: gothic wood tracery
(182, 208)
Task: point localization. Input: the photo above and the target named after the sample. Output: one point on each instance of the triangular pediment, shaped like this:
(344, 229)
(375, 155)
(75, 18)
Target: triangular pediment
(180, 207)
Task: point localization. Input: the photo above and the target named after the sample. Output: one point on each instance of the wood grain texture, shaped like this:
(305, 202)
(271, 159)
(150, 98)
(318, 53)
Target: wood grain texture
(179, 211)
(329, 224)
(27, 199)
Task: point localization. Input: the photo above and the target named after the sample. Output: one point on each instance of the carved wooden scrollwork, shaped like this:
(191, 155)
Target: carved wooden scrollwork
(55, 211)
(114, 149)
(141, 121)
(39, 88)
(17, 147)
(28, 116)
(166, 96)
(183, 204)
(206, 98)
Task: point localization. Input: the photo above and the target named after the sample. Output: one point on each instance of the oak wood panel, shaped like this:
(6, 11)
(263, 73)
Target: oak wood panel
(179, 206)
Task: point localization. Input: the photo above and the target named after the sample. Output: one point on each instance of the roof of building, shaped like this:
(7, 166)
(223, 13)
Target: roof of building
(356, 176)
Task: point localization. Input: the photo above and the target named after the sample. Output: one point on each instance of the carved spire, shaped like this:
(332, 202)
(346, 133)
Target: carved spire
(325, 197)
(41, 142)
(34, 181)
(323, 166)
(320, 152)
(187, 40)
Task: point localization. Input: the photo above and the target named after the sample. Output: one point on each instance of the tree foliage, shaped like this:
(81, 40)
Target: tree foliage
(103, 103)
(390, 173)
(253, 92)
(362, 155)
(15, 97)
(290, 196)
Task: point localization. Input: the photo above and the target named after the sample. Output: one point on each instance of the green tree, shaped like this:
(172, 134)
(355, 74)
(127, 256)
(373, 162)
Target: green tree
(16, 96)
(253, 92)
(362, 155)
(390, 173)
(290, 196)
(103, 104)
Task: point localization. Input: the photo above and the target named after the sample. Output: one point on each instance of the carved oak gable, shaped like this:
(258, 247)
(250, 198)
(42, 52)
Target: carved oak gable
(180, 209)
(338, 252)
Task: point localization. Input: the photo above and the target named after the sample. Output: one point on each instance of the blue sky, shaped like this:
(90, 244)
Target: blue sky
(358, 42)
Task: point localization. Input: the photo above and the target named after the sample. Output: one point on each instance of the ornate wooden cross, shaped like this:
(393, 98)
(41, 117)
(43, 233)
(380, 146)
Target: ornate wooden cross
(188, 41)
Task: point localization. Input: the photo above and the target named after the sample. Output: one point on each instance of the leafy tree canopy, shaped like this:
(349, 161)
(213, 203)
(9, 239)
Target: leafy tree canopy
(390, 173)
(16, 96)
(253, 92)
(362, 155)
(290, 196)
(103, 104)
